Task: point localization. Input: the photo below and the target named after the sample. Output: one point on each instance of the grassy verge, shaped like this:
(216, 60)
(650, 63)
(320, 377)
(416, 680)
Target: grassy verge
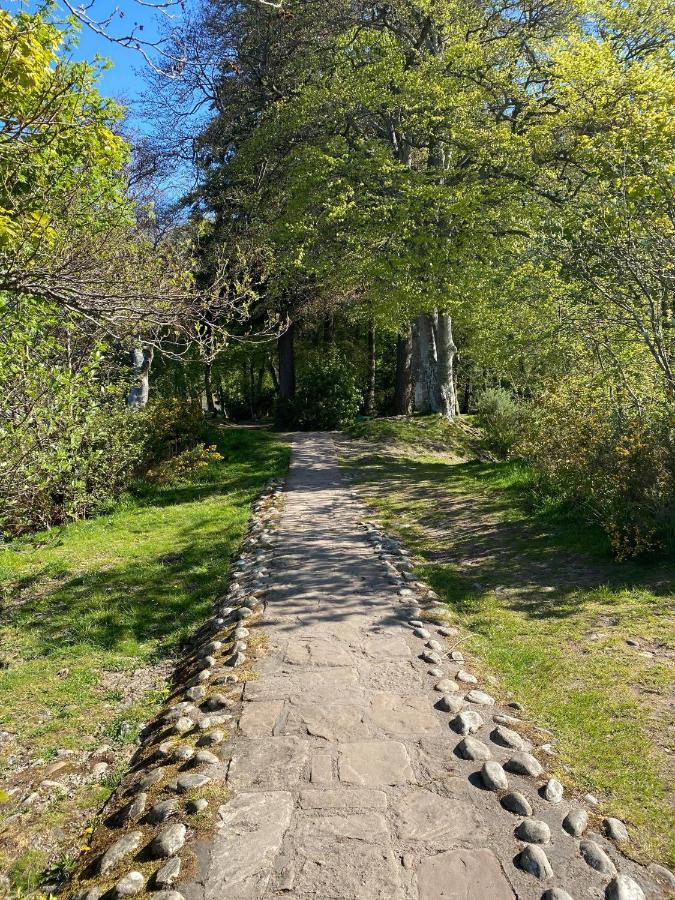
(545, 610)
(92, 616)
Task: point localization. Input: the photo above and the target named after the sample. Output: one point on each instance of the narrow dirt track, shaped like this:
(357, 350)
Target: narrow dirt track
(345, 778)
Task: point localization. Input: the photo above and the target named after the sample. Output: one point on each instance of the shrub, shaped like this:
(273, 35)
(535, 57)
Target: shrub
(328, 395)
(616, 463)
(501, 418)
(184, 465)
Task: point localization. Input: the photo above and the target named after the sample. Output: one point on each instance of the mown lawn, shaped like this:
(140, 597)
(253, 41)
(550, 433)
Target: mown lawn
(545, 609)
(92, 615)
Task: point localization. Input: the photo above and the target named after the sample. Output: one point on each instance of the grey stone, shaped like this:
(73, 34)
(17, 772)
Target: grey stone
(516, 803)
(524, 764)
(196, 692)
(215, 703)
(131, 884)
(160, 812)
(435, 645)
(447, 631)
(119, 850)
(494, 776)
(205, 758)
(211, 739)
(480, 697)
(243, 613)
(556, 894)
(183, 725)
(168, 895)
(167, 873)
(374, 763)
(624, 888)
(435, 671)
(422, 633)
(237, 659)
(467, 722)
(446, 686)
(148, 780)
(466, 677)
(240, 633)
(500, 719)
(472, 748)
(596, 858)
(196, 806)
(457, 656)
(505, 737)
(533, 831)
(533, 860)
(462, 874)
(553, 791)
(437, 822)
(662, 874)
(416, 623)
(92, 893)
(183, 753)
(575, 822)
(134, 809)
(191, 782)
(615, 829)
(450, 703)
(430, 657)
(211, 647)
(168, 841)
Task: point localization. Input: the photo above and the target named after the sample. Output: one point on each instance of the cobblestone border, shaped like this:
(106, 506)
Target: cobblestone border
(175, 778)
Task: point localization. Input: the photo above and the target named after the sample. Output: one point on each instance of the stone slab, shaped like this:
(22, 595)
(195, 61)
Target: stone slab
(259, 718)
(374, 763)
(403, 715)
(343, 798)
(463, 875)
(269, 763)
(423, 817)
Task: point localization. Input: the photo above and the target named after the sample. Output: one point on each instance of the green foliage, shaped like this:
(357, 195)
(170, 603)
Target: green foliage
(617, 466)
(328, 395)
(501, 418)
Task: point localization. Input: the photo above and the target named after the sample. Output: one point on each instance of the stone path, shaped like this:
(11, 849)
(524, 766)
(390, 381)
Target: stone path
(346, 778)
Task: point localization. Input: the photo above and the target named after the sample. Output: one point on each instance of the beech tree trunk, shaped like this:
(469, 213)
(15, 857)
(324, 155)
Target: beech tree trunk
(425, 366)
(403, 394)
(208, 390)
(286, 354)
(370, 387)
(445, 356)
(141, 360)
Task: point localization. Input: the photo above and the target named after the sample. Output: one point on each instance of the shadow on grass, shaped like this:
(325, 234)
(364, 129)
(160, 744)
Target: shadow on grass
(174, 556)
(481, 531)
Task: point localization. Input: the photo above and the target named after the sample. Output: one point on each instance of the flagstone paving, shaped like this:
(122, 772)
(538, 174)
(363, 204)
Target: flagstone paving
(345, 777)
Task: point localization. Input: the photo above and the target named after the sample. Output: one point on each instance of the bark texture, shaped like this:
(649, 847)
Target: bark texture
(403, 395)
(141, 360)
(286, 354)
(370, 387)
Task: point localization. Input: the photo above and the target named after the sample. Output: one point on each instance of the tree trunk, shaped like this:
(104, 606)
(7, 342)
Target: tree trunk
(274, 376)
(286, 352)
(445, 355)
(370, 386)
(403, 395)
(221, 396)
(141, 360)
(425, 366)
(208, 390)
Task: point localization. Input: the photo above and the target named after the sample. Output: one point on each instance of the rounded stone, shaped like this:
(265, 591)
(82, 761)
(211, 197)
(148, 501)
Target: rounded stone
(467, 722)
(553, 791)
(196, 806)
(524, 764)
(168, 841)
(161, 811)
(216, 702)
(211, 647)
(183, 725)
(240, 633)
(575, 822)
(457, 656)
(624, 888)
(237, 659)
(435, 645)
(533, 831)
(167, 873)
(149, 780)
(130, 885)
(596, 858)
(615, 829)
(168, 895)
(517, 803)
(416, 623)
(243, 613)
(430, 657)
(134, 809)
(448, 632)
(450, 703)
(435, 672)
(505, 737)
(183, 753)
(205, 758)
(472, 748)
(211, 739)
(119, 850)
(191, 782)
(556, 894)
(446, 686)
(532, 859)
(481, 698)
(494, 776)
(422, 633)
(196, 692)
(466, 677)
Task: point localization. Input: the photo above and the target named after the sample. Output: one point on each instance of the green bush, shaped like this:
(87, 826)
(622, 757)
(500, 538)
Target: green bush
(501, 418)
(616, 463)
(327, 396)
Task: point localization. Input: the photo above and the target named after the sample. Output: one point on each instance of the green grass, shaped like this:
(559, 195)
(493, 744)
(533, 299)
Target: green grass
(547, 611)
(90, 609)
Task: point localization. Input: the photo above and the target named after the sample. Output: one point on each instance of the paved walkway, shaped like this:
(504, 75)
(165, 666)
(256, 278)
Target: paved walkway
(345, 780)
